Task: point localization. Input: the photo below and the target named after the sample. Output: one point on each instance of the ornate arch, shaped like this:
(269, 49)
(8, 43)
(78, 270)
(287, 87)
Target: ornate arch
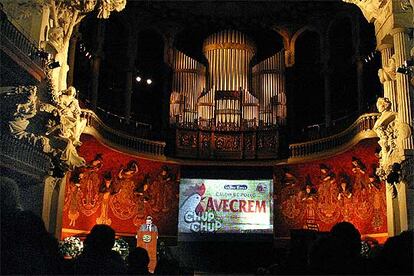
(286, 36)
(296, 35)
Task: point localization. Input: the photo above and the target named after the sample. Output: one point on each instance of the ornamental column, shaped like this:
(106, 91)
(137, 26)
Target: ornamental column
(96, 62)
(405, 116)
(404, 95)
(53, 201)
(388, 82)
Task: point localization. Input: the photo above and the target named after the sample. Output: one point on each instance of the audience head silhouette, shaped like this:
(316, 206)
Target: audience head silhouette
(9, 195)
(138, 261)
(397, 255)
(27, 247)
(348, 238)
(101, 238)
(98, 256)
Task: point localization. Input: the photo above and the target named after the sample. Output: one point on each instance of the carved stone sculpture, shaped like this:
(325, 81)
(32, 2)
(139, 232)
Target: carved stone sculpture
(64, 16)
(69, 110)
(388, 72)
(372, 9)
(26, 109)
(72, 126)
(391, 133)
(64, 125)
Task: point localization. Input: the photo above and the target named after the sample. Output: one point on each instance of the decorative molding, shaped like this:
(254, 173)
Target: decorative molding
(391, 132)
(371, 9)
(388, 72)
(229, 45)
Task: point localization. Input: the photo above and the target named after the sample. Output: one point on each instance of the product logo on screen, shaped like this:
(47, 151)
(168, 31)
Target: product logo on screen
(225, 206)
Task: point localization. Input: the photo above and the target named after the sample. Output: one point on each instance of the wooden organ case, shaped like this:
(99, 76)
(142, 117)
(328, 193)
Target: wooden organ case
(227, 109)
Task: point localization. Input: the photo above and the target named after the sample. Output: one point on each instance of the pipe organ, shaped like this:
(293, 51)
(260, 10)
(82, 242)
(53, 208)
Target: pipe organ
(187, 83)
(268, 79)
(227, 95)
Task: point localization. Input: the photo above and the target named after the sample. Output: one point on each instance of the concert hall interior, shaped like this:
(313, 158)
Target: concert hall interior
(224, 137)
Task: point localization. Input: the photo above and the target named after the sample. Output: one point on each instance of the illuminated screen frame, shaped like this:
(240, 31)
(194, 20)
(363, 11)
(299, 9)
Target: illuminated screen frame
(225, 207)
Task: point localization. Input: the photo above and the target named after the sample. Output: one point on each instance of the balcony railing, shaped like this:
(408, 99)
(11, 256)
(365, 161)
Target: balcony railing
(120, 138)
(364, 123)
(9, 33)
(131, 126)
(362, 126)
(24, 157)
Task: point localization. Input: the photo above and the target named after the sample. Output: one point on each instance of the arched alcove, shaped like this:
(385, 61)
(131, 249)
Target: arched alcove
(305, 84)
(268, 43)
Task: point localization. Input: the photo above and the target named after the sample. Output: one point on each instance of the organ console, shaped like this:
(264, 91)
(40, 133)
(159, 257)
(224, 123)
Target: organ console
(212, 106)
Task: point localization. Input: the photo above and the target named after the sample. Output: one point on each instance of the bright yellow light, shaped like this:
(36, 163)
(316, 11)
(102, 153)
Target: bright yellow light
(138, 79)
(149, 81)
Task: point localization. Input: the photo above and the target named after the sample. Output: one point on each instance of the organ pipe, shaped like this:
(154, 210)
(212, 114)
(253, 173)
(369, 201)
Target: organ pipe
(187, 83)
(269, 82)
(223, 95)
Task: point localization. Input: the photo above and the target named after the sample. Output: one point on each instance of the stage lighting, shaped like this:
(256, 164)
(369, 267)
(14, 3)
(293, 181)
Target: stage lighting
(53, 65)
(407, 68)
(403, 70)
(149, 81)
(138, 78)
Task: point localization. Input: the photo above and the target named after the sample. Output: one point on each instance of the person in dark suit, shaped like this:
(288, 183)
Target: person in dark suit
(148, 225)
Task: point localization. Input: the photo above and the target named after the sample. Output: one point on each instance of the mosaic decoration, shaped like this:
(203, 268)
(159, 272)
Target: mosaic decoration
(120, 190)
(316, 195)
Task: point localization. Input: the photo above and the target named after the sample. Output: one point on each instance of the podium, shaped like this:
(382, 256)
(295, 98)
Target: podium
(148, 240)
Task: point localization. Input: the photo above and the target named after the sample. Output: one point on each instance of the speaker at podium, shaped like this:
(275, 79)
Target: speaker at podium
(147, 237)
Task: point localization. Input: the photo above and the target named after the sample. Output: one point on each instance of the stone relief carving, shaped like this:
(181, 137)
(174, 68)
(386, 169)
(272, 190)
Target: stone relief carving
(407, 4)
(55, 36)
(53, 128)
(66, 123)
(23, 101)
(107, 7)
(72, 125)
(388, 72)
(372, 9)
(391, 132)
(54, 112)
(64, 15)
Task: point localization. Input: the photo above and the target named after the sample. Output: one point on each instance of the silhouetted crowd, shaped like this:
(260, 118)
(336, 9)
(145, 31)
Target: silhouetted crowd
(339, 253)
(28, 248)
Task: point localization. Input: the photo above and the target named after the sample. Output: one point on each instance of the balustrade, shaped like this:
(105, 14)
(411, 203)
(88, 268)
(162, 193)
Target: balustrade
(26, 47)
(198, 143)
(122, 139)
(363, 123)
(24, 156)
